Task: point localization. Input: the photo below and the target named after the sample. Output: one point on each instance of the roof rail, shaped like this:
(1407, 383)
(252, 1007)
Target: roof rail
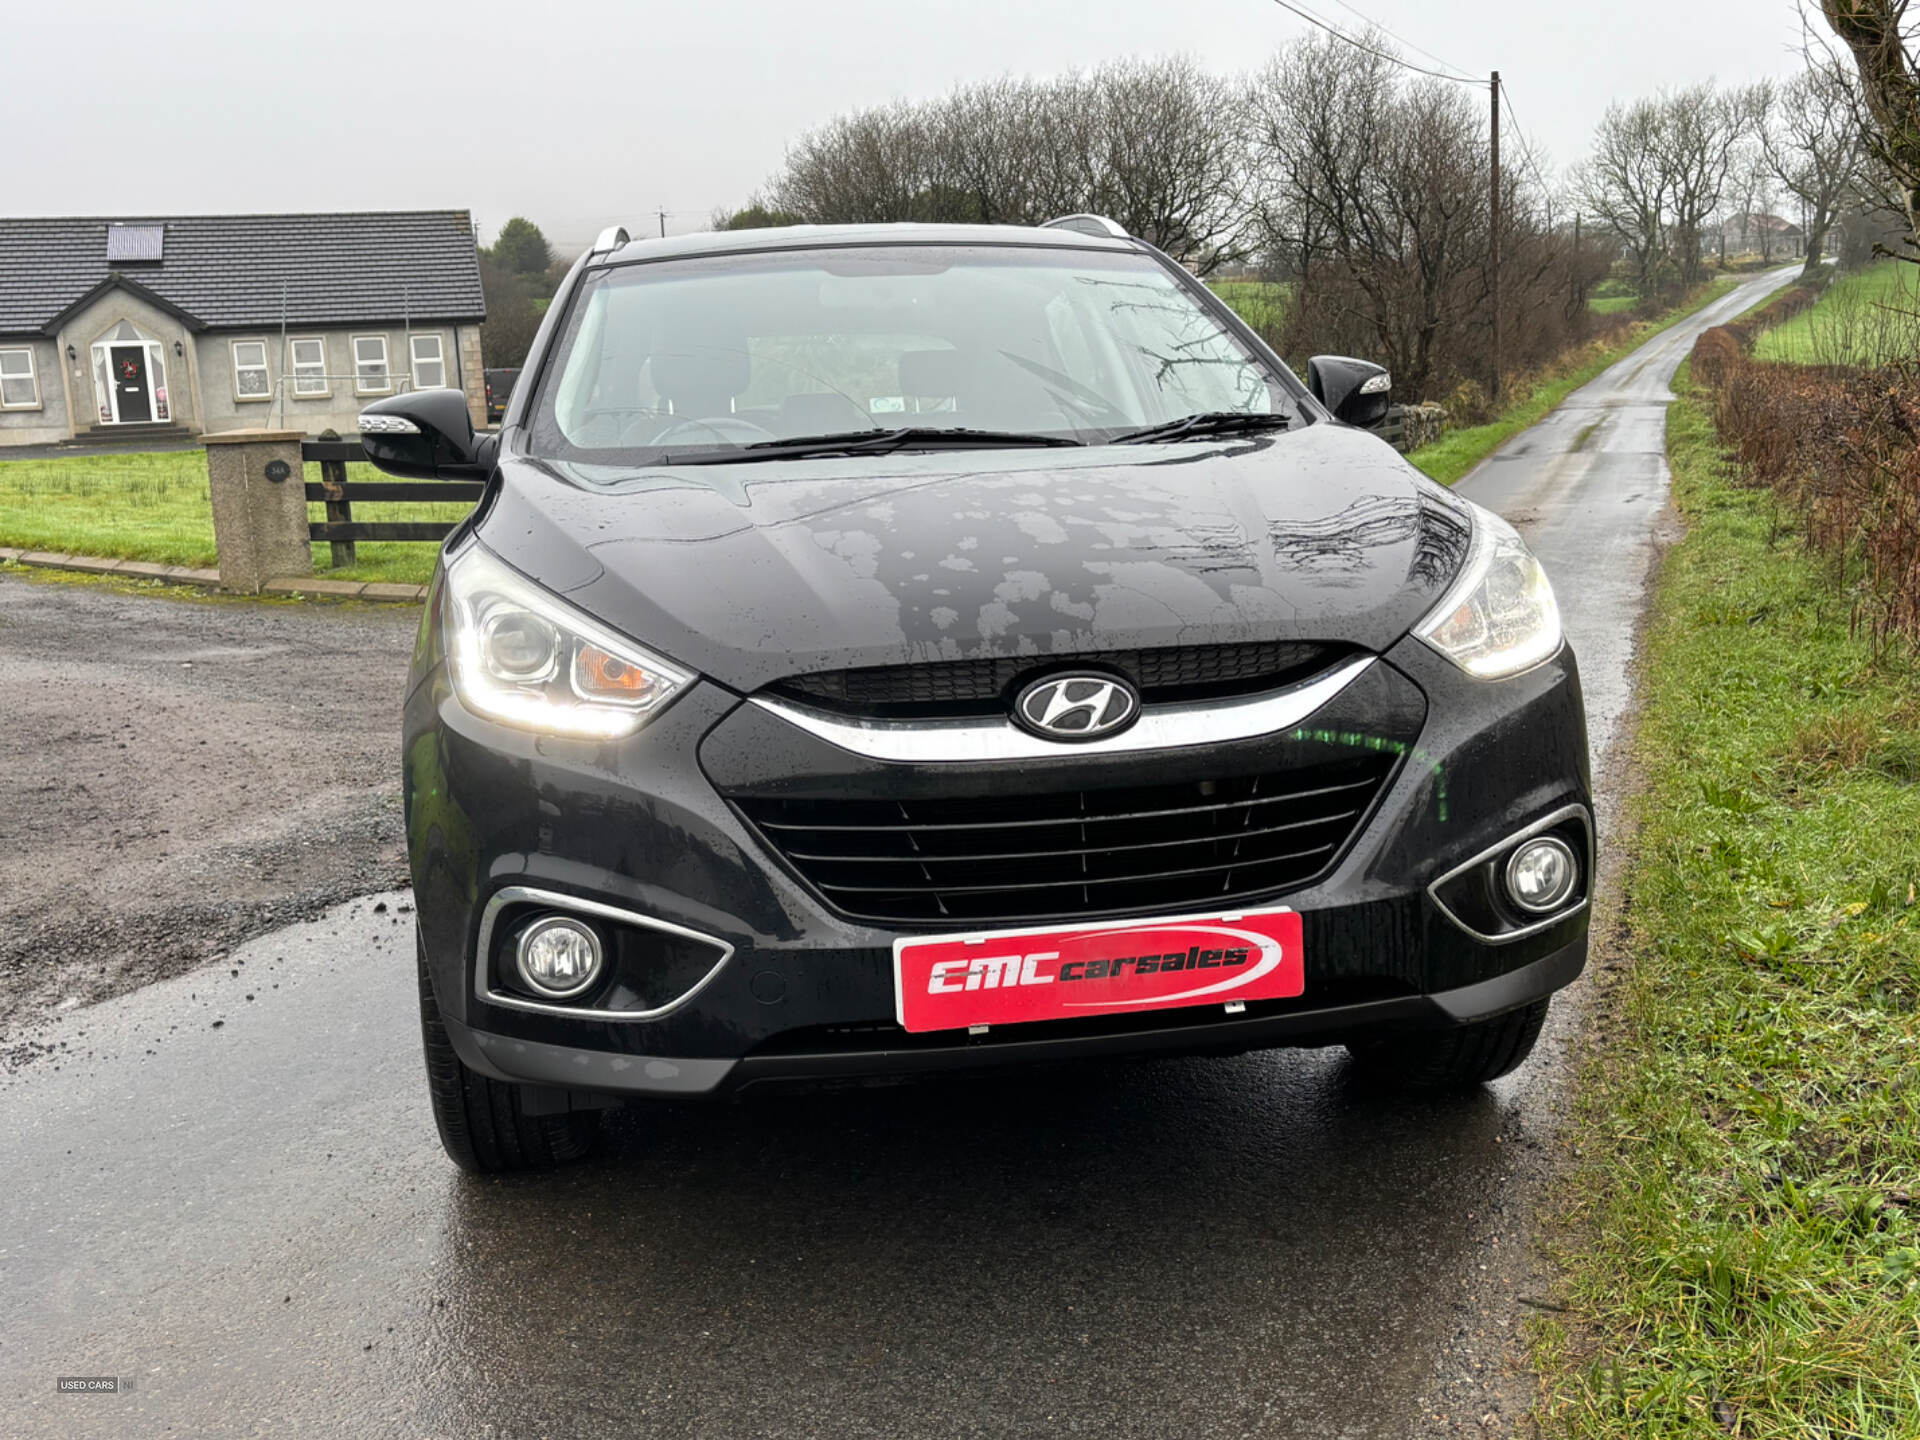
(1089, 225)
(611, 238)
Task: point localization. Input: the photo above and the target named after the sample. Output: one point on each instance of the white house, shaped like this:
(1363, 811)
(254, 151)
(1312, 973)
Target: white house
(172, 326)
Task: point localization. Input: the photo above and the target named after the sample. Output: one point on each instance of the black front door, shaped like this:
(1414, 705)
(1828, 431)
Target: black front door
(130, 382)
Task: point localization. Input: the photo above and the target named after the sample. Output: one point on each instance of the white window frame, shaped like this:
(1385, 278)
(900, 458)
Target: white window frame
(360, 387)
(240, 397)
(32, 377)
(295, 365)
(439, 358)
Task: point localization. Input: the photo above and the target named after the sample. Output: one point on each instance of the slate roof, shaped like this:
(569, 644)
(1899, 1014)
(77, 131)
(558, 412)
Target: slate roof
(228, 270)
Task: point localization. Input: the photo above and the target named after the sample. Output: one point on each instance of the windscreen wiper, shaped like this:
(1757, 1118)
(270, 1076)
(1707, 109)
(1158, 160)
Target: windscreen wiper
(878, 442)
(1214, 422)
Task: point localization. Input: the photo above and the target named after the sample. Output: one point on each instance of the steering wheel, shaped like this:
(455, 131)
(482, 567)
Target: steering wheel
(715, 430)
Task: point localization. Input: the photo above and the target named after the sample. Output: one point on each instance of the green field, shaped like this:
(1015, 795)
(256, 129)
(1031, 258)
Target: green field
(1743, 1223)
(155, 507)
(1610, 297)
(1868, 317)
(1261, 303)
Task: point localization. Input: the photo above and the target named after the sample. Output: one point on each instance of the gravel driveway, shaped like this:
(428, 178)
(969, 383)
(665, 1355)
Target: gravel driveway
(182, 774)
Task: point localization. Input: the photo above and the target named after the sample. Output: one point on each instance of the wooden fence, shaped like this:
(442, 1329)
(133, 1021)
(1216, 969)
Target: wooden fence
(338, 493)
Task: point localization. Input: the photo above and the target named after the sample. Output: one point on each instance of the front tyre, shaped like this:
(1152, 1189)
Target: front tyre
(1457, 1059)
(483, 1123)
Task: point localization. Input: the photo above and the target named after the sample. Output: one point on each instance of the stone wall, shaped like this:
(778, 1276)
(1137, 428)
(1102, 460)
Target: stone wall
(1408, 427)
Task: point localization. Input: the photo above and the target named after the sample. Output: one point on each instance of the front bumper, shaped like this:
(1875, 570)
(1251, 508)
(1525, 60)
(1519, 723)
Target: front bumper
(668, 1076)
(808, 993)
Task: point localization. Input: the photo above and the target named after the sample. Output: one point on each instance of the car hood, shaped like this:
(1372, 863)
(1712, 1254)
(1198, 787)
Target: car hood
(751, 572)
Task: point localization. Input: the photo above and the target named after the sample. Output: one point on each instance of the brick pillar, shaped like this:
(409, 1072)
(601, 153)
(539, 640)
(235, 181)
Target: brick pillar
(258, 484)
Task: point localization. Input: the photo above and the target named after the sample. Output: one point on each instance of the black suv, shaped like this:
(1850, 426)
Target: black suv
(499, 383)
(901, 648)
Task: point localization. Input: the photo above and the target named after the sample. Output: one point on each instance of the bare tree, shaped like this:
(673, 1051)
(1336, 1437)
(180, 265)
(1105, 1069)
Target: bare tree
(1699, 132)
(1626, 184)
(1747, 196)
(1660, 170)
(874, 165)
(1877, 35)
(1324, 124)
(985, 137)
(1157, 145)
(1173, 160)
(1371, 191)
(1812, 144)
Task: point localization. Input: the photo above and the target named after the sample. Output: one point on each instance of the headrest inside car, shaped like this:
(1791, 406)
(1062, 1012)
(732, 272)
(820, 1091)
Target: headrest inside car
(701, 377)
(943, 373)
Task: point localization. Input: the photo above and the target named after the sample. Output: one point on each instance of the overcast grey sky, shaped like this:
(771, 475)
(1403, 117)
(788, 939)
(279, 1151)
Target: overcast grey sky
(581, 112)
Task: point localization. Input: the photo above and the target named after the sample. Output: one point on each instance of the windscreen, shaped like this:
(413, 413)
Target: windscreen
(703, 355)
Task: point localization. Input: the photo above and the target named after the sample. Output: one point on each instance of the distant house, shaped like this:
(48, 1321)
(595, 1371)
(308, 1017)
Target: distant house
(173, 326)
(1767, 235)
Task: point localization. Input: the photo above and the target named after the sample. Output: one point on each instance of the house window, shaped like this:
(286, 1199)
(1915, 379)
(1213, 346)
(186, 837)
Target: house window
(370, 375)
(19, 390)
(250, 371)
(309, 366)
(429, 363)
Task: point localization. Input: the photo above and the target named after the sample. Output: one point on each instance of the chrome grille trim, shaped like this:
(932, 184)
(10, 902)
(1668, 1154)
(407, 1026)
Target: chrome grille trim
(981, 741)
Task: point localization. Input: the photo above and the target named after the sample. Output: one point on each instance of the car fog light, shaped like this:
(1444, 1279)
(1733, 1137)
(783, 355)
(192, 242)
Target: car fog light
(1541, 875)
(558, 957)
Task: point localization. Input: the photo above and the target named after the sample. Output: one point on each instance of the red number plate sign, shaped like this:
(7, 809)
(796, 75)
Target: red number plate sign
(956, 981)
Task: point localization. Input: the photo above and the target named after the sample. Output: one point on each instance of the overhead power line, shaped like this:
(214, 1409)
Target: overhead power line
(1499, 103)
(1373, 50)
(1506, 96)
(1402, 40)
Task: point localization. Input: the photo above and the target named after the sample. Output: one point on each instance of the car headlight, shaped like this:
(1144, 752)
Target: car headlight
(1499, 616)
(523, 657)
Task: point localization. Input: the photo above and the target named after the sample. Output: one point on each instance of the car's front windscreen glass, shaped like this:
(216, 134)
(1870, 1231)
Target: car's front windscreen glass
(712, 357)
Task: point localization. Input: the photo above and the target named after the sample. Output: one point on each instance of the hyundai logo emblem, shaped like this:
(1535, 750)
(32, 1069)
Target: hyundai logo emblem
(1077, 707)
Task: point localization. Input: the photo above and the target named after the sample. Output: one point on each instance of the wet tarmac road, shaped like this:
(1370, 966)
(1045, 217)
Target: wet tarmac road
(238, 1201)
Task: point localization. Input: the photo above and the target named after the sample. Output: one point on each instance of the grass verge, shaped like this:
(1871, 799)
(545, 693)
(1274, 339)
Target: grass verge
(1458, 451)
(1743, 1256)
(156, 507)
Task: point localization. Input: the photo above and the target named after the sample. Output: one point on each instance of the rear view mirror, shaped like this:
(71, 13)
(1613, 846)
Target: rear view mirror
(425, 434)
(1356, 391)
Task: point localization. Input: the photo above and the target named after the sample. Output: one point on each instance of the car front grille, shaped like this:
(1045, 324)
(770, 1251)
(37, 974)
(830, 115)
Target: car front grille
(1076, 853)
(1167, 675)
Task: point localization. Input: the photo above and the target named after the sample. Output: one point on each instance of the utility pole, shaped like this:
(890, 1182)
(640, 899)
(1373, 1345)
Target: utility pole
(1495, 387)
(1579, 269)
(663, 221)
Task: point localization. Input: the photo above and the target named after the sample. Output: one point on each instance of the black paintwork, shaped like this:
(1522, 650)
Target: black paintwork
(446, 448)
(746, 574)
(1335, 381)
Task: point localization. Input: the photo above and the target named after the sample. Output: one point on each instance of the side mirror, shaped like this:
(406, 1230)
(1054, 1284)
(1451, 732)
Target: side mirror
(1354, 390)
(426, 434)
